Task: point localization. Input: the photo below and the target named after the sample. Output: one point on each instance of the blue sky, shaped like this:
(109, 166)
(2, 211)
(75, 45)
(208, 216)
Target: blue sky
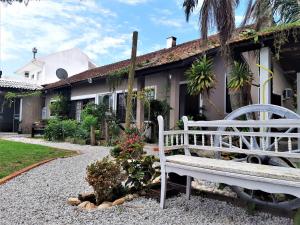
(101, 28)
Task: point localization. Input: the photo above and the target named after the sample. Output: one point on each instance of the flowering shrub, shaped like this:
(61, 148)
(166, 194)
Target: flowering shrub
(139, 167)
(131, 144)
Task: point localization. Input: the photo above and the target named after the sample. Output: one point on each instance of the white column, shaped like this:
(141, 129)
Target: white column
(21, 110)
(264, 75)
(264, 83)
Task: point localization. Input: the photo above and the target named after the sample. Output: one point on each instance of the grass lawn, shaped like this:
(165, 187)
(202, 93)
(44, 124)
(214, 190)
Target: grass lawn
(15, 155)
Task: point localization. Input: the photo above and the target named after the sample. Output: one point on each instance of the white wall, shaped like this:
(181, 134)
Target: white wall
(74, 61)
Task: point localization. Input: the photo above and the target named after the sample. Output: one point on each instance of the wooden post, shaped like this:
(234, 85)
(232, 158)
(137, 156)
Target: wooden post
(131, 79)
(140, 104)
(92, 135)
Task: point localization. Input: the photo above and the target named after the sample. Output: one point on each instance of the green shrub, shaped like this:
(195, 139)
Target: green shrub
(69, 127)
(53, 130)
(59, 130)
(60, 107)
(139, 167)
(140, 172)
(106, 178)
(88, 121)
(115, 152)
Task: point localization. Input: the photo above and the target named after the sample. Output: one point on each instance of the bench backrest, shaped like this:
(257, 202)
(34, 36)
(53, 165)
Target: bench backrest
(274, 137)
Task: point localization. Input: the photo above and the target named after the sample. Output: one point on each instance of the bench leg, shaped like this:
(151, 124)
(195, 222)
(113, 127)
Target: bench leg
(163, 189)
(188, 187)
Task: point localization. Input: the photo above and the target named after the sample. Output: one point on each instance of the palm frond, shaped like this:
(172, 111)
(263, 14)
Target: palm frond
(189, 6)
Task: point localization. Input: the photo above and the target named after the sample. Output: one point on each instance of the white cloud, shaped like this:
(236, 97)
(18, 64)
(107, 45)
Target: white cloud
(133, 2)
(165, 21)
(58, 25)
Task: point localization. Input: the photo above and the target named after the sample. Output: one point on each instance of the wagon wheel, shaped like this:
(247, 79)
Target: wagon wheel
(254, 112)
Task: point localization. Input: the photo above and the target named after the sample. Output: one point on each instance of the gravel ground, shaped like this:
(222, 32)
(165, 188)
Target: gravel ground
(39, 197)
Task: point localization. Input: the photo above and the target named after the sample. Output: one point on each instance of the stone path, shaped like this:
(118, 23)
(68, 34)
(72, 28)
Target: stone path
(39, 197)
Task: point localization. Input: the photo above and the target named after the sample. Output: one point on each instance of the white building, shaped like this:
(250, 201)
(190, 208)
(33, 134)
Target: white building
(42, 70)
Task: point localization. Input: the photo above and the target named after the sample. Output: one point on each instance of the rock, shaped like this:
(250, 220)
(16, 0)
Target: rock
(129, 197)
(156, 180)
(135, 195)
(73, 201)
(105, 205)
(83, 204)
(143, 193)
(88, 196)
(119, 201)
(87, 205)
(90, 206)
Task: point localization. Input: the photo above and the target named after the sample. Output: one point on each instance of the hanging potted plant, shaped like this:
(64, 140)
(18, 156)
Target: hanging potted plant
(240, 85)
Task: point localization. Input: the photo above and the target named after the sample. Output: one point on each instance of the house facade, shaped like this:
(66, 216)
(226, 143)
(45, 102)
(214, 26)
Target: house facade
(42, 70)
(163, 73)
(18, 113)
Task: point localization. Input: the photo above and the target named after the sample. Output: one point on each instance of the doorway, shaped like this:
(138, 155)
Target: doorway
(188, 104)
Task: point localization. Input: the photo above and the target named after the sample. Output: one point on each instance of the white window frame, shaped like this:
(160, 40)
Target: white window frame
(106, 93)
(78, 115)
(152, 87)
(82, 97)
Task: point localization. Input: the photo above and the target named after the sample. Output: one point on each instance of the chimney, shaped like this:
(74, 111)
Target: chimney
(171, 42)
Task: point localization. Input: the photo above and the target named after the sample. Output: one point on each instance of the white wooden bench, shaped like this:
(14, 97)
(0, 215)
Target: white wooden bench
(247, 137)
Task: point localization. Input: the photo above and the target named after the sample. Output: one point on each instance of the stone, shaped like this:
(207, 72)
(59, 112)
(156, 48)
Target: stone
(119, 201)
(83, 204)
(135, 195)
(129, 197)
(90, 206)
(143, 193)
(156, 180)
(105, 205)
(88, 196)
(87, 205)
(73, 201)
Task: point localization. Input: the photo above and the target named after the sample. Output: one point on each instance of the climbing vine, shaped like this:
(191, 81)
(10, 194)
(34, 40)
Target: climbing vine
(10, 96)
(114, 79)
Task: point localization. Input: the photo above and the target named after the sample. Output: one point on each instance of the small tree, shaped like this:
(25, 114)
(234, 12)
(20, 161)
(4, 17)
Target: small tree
(93, 116)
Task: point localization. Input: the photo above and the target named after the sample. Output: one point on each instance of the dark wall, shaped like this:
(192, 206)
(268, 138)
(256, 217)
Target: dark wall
(9, 115)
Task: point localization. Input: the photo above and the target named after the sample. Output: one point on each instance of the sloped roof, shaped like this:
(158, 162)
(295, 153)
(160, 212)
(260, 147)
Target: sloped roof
(161, 57)
(5, 83)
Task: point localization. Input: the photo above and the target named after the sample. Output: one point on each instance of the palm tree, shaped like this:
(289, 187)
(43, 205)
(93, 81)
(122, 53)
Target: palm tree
(221, 14)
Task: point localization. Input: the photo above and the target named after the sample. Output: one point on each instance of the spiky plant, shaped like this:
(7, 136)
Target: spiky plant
(200, 76)
(240, 76)
(240, 83)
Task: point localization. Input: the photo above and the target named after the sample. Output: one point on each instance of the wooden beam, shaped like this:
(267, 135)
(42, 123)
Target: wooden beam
(131, 80)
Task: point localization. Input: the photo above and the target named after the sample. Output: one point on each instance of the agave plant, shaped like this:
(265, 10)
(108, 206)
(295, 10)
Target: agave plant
(200, 77)
(240, 84)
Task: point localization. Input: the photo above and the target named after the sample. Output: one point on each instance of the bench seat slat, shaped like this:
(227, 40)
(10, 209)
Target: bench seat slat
(280, 173)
